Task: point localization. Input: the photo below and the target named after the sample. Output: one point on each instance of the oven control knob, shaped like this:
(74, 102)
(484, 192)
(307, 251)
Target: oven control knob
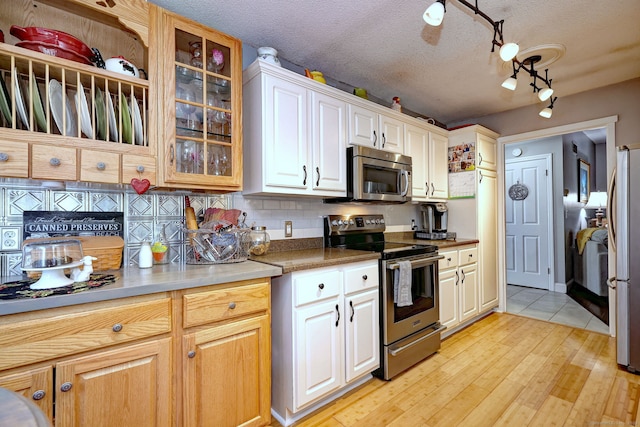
(367, 221)
(334, 222)
(351, 222)
(382, 221)
(377, 221)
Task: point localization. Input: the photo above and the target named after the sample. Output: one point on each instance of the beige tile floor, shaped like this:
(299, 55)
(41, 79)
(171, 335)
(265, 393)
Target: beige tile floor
(551, 306)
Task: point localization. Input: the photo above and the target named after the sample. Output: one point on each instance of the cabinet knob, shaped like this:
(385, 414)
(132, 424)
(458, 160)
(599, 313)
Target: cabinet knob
(54, 161)
(101, 166)
(191, 354)
(232, 305)
(4, 157)
(66, 386)
(321, 285)
(364, 277)
(140, 169)
(449, 259)
(117, 327)
(38, 394)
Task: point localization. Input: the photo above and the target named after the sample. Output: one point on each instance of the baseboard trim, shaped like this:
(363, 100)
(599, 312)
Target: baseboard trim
(560, 287)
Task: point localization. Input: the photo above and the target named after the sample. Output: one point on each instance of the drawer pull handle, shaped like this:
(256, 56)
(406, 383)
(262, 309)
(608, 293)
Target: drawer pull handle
(38, 395)
(304, 169)
(353, 311)
(139, 168)
(480, 162)
(457, 278)
(375, 138)
(321, 286)
(364, 277)
(470, 255)
(318, 180)
(191, 354)
(463, 276)
(449, 259)
(54, 161)
(117, 327)
(4, 157)
(101, 166)
(66, 386)
(171, 154)
(338, 311)
(232, 305)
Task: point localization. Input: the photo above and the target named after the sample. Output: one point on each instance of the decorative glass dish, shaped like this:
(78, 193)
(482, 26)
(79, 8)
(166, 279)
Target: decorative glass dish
(217, 247)
(51, 257)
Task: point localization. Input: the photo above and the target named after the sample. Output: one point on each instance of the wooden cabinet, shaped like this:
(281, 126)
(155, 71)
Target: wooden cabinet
(201, 119)
(62, 113)
(326, 331)
(375, 129)
(481, 210)
(225, 358)
(101, 358)
(428, 151)
(294, 135)
(458, 286)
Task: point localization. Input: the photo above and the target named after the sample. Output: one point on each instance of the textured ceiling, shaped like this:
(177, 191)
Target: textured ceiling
(445, 72)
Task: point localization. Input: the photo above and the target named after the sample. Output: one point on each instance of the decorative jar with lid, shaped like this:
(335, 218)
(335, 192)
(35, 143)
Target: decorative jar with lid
(260, 240)
(269, 54)
(160, 247)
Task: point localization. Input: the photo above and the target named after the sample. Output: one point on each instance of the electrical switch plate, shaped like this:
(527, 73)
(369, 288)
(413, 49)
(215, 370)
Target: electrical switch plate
(288, 228)
(9, 238)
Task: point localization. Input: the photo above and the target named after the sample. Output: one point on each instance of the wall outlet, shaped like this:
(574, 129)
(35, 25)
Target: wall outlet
(288, 228)
(9, 238)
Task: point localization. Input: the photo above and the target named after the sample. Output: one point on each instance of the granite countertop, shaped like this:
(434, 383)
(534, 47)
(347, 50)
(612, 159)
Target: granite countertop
(304, 259)
(407, 237)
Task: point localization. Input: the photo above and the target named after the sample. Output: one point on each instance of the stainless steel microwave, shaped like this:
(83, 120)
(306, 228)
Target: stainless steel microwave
(377, 176)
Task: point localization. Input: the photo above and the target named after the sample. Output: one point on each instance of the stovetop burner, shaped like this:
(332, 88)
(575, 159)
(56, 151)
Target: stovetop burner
(366, 233)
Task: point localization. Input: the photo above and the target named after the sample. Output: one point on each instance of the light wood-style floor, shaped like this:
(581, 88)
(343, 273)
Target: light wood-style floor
(504, 370)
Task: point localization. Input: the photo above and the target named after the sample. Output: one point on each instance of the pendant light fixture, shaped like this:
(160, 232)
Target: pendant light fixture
(507, 51)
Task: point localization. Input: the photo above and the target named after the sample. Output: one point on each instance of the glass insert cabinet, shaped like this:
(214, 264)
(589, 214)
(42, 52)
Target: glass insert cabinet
(203, 111)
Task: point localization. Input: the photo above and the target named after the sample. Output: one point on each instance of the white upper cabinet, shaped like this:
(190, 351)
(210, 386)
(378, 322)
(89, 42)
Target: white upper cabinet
(375, 130)
(428, 151)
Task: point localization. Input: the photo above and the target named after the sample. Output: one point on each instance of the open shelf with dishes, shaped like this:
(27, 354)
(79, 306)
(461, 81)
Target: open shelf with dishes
(61, 98)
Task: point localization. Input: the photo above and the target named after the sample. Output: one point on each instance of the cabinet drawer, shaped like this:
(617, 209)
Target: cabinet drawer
(316, 287)
(468, 256)
(450, 260)
(360, 278)
(46, 336)
(140, 167)
(99, 166)
(59, 163)
(223, 304)
(14, 159)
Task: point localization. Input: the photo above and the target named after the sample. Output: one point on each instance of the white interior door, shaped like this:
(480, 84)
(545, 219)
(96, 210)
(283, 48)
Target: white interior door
(528, 243)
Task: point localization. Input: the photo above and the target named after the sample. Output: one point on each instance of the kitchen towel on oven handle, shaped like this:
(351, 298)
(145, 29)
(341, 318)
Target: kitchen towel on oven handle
(402, 284)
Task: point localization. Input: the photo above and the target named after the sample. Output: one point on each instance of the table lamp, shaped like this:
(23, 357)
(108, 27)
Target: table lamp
(597, 200)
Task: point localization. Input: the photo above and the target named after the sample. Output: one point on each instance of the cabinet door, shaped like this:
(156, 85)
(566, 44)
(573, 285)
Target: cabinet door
(363, 127)
(362, 337)
(226, 378)
(318, 348)
(487, 156)
(438, 166)
(203, 110)
(448, 297)
(468, 291)
(328, 136)
(35, 384)
(417, 146)
(286, 156)
(130, 386)
(392, 134)
(487, 232)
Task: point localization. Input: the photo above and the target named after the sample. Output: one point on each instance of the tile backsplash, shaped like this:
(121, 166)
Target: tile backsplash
(146, 214)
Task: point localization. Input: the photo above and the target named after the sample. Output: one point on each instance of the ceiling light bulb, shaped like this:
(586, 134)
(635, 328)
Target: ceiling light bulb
(546, 113)
(508, 51)
(434, 14)
(510, 83)
(545, 94)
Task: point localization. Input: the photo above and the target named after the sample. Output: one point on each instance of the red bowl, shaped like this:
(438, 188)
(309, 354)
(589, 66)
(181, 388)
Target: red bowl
(54, 37)
(54, 50)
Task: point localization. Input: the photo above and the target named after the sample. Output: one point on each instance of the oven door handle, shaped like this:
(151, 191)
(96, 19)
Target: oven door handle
(437, 328)
(416, 263)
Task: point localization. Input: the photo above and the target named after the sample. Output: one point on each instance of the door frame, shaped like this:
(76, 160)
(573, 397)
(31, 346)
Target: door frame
(605, 122)
(550, 218)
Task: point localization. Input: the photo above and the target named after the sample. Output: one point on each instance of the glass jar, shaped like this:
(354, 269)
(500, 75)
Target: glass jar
(145, 256)
(260, 240)
(160, 247)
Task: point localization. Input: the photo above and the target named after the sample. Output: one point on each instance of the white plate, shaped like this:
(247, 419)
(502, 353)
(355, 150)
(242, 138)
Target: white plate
(83, 107)
(113, 124)
(137, 122)
(22, 109)
(55, 102)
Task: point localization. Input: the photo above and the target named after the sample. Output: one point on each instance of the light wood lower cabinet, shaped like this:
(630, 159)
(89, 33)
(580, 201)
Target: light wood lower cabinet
(198, 357)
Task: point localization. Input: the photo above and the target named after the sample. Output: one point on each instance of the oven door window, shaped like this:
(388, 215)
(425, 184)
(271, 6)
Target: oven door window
(422, 294)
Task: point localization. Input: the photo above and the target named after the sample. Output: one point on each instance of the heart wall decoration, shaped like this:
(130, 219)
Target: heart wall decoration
(140, 185)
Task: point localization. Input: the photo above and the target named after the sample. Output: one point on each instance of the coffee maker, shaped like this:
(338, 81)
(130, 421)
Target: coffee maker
(434, 222)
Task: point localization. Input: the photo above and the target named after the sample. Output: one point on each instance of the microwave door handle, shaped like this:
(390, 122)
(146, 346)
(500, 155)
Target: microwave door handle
(405, 176)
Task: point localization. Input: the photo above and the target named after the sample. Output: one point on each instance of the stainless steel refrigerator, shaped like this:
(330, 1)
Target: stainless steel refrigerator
(627, 242)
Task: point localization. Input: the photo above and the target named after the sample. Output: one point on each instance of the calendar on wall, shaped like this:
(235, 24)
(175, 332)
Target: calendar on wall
(462, 166)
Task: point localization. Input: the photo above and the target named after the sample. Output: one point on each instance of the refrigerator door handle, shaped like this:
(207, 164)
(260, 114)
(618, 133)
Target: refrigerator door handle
(611, 209)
